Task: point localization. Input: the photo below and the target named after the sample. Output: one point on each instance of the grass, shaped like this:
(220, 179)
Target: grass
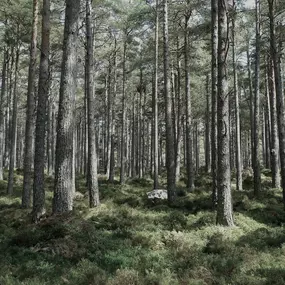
(131, 241)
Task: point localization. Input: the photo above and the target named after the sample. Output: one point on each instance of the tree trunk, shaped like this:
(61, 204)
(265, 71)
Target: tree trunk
(256, 159)
(39, 160)
(274, 127)
(170, 152)
(155, 105)
(279, 94)
(63, 198)
(214, 73)
(237, 114)
(123, 130)
(2, 95)
(189, 140)
(13, 129)
(224, 207)
(29, 134)
(93, 188)
(207, 128)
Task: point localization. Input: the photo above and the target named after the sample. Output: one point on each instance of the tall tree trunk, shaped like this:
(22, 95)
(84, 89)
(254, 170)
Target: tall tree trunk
(189, 140)
(93, 188)
(39, 160)
(123, 130)
(170, 152)
(214, 75)
(279, 93)
(207, 128)
(274, 127)
(29, 134)
(224, 207)
(63, 198)
(2, 95)
(112, 121)
(13, 129)
(155, 105)
(251, 106)
(237, 113)
(256, 159)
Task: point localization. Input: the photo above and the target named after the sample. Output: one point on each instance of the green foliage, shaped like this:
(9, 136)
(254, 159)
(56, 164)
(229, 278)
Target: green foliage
(124, 242)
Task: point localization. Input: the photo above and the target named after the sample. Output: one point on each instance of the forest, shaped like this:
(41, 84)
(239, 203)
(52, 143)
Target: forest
(142, 142)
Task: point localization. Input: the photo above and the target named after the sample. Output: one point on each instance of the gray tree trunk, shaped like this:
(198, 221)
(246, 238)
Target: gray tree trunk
(224, 207)
(93, 188)
(256, 116)
(30, 120)
(279, 93)
(40, 134)
(155, 105)
(2, 95)
(214, 74)
(63, 198)
(237, 114)
(170, 151)
(274, 127)
(13, 129)
(189, 138)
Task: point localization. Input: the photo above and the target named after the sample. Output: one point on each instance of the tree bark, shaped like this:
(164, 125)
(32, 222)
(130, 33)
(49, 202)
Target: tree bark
(189, 138)
(256, 159)
(2, 95)
(170, 151)
(237, 114)
(279, 93)
(154, 104)
(224, 207)
(207, 128)
(93, 188)
(40, 135)
(13, 129)
(63, 198)
(274, 127)
(214, 74)
(29, 134)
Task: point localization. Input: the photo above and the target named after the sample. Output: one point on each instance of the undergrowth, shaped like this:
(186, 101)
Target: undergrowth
(129, 240)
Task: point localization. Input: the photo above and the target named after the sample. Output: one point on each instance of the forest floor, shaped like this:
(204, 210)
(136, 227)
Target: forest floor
(131, 241)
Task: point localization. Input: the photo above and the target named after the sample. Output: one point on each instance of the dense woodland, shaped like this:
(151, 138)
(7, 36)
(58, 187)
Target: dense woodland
(104, 101)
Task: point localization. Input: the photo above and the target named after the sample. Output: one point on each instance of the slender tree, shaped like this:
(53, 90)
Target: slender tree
(29, 134)
(2, 94)
(256, 116)
(154, 102)
(214, 74)
(237, 111)
(13, 130)
(39, 161)
(276, 57)
(170, 153)
(92, 180)
(224, 207)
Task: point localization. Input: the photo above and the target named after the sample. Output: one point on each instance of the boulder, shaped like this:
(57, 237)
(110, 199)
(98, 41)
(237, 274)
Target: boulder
(157, 194)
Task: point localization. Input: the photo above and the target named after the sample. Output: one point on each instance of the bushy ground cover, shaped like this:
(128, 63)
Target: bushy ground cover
(131, 241)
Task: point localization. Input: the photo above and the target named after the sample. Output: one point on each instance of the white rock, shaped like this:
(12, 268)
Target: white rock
(157, 194)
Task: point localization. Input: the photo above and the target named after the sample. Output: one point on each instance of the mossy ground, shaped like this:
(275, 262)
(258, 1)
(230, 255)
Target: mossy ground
(130, 241)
